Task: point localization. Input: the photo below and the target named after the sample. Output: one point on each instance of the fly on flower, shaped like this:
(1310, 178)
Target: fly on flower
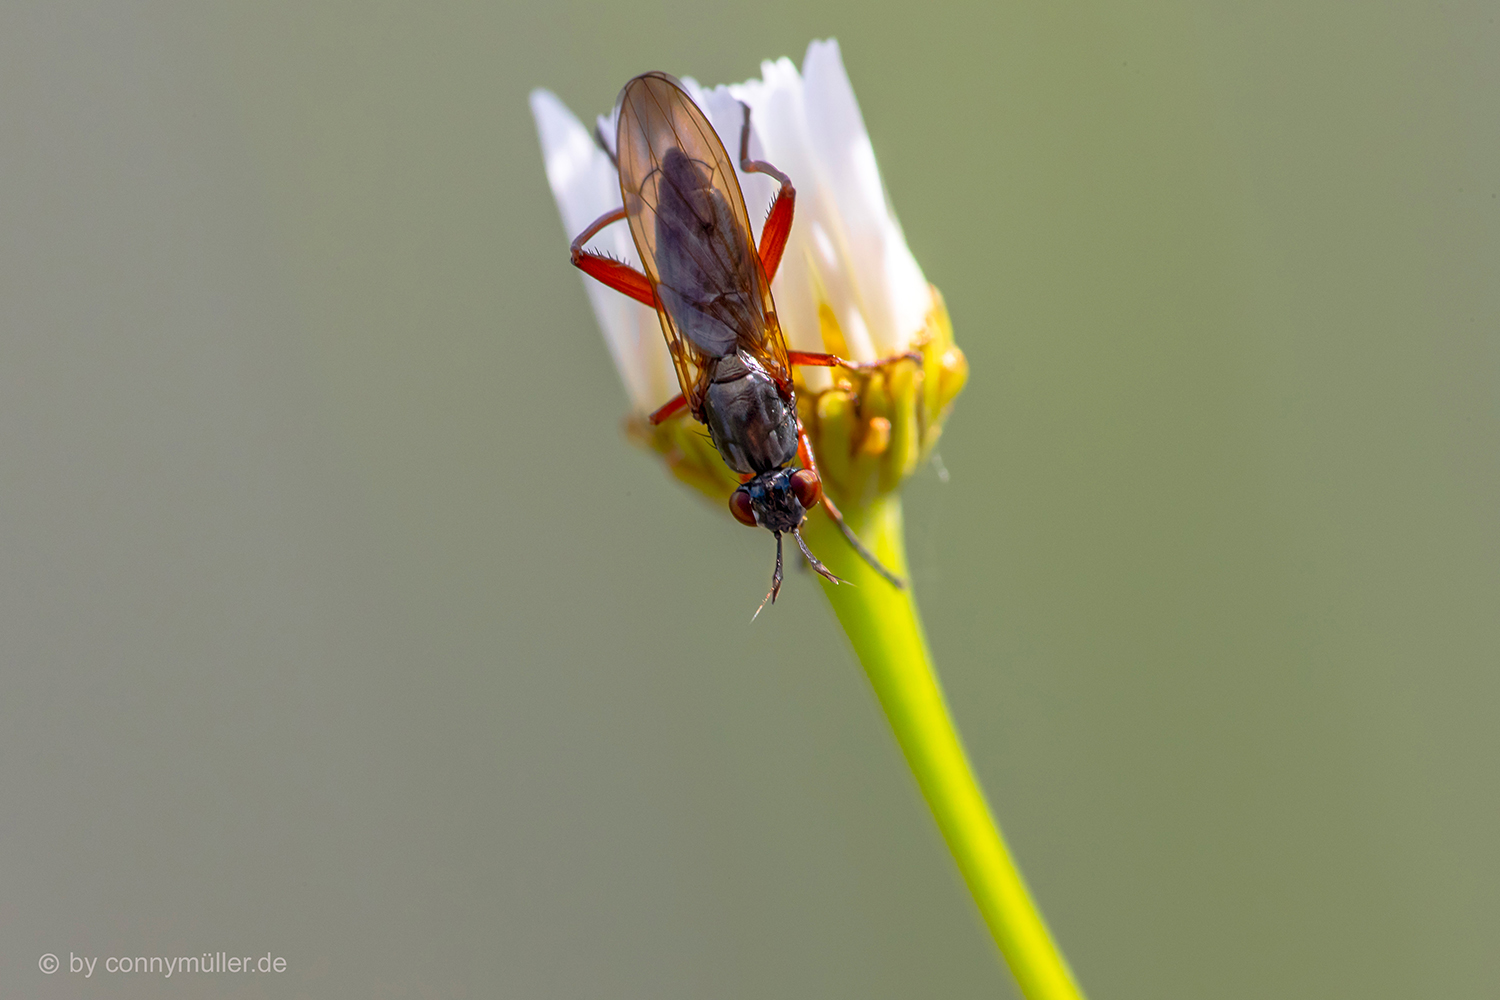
(711, 288)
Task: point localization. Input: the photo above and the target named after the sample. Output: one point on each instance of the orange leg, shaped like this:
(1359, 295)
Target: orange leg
(619, 276)
(834, 361)
(805, 453)
(670, 407)
(779, 223)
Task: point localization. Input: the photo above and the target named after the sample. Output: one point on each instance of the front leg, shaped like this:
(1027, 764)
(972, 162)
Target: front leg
(805, 454)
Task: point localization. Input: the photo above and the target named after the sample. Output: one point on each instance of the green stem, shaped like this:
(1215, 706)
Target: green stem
(883, 625)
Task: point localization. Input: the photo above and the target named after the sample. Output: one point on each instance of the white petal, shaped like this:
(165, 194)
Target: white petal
(892, 292)
(585, 185)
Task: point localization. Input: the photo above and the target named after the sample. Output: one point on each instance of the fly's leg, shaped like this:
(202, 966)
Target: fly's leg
(805, 453)
(672, 405)
(812, 360)
(617, 275)
(779, 223)
(599, 141)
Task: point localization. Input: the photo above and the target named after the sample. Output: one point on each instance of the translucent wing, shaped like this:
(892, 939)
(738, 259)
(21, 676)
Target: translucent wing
(688, 218)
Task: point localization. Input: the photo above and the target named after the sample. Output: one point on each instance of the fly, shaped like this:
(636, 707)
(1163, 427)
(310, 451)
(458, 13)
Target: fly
(711, 288)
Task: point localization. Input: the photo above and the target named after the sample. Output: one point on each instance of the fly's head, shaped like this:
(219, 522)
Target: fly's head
(777, 500)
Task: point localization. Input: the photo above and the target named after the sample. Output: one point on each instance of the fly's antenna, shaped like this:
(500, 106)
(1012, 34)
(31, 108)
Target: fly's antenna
(775, 578)
(823, 571)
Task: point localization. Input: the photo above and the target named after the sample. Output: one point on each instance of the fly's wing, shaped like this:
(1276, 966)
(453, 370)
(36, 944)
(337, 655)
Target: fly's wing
(688, 218)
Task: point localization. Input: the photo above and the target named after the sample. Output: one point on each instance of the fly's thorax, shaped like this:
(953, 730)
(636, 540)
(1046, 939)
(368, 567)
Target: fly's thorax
(751, 425)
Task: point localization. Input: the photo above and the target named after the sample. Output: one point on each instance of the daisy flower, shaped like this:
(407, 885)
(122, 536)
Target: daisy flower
(848, 284)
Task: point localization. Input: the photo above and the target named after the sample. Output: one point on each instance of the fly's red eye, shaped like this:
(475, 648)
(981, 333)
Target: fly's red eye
(807, 487)
(739, 506)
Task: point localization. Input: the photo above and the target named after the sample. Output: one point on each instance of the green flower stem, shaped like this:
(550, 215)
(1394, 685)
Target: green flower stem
(883, 625)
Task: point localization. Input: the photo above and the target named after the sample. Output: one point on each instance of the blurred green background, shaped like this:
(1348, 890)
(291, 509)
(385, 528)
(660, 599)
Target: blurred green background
(340, 622)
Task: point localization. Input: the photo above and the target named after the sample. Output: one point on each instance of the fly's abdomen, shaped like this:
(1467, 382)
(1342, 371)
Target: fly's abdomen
(706, 280)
